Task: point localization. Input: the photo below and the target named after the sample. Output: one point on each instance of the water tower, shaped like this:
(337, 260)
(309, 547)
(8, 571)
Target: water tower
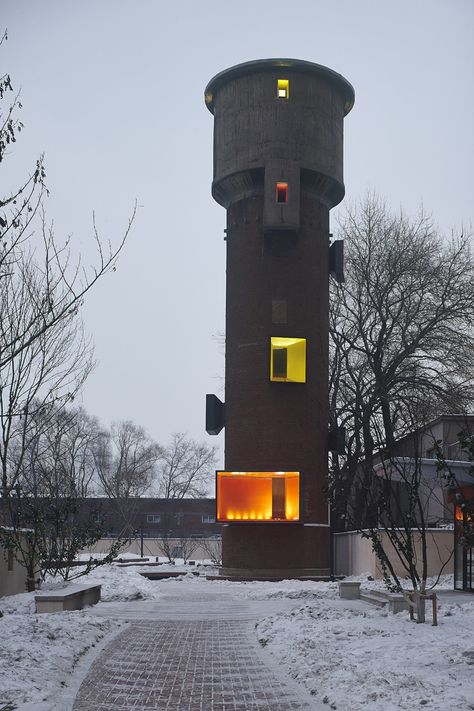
(278, 158)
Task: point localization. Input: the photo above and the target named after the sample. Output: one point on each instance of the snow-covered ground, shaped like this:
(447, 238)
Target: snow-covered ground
(352, 656)
(347, 654)
(39, 652)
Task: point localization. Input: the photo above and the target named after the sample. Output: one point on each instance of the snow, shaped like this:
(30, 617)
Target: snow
(122, 584)
(350, 655)
(39, 652)
(347, 654)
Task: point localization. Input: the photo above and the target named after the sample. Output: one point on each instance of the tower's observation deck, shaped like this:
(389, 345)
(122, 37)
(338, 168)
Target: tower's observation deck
(278, 150)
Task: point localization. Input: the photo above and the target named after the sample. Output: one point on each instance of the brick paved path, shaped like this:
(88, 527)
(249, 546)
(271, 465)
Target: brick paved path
(205, 665)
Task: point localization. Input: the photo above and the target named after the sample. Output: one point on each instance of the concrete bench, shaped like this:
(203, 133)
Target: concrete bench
(349, 590)
(74, 597)
(397, 603)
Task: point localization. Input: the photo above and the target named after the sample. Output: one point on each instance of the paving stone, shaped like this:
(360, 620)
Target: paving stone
(207, 665)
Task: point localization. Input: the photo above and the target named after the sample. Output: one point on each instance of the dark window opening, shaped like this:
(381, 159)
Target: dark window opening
(280, 363)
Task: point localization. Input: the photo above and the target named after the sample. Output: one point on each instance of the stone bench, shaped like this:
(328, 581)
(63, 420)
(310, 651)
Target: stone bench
(352, 591)
(349, 590)
(74, 597)
(397, 603)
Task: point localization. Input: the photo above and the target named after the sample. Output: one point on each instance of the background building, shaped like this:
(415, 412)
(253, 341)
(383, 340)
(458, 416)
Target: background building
(446, 502)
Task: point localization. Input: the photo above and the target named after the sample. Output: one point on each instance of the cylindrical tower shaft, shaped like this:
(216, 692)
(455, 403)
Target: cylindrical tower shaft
(278, 139)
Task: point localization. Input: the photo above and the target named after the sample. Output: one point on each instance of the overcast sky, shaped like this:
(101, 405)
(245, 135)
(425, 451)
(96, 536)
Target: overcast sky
(112, 93)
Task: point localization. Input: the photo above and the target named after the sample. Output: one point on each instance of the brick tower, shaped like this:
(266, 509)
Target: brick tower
(278, 155)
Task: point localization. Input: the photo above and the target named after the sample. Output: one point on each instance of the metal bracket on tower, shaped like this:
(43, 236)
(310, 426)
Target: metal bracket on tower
(215, 415)
(337, 440)
(336, 260)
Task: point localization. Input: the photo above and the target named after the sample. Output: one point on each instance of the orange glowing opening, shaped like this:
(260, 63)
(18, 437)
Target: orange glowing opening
(461, 515)
(282, 192)
(258, 496)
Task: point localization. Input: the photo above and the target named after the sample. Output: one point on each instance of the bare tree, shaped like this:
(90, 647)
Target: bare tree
(401, 354)
(43, 376)
(57, 457)
(126, 461)
(186, 547)
(48, 533)
(49, 521)
(175, 538)
(60, 283)
(213, 549)
(184, 468)
(44, 353)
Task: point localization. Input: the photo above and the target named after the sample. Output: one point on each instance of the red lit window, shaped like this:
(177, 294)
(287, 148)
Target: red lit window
(282, 192)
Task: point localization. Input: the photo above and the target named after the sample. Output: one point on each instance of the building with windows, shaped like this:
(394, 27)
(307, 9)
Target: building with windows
(153, 518)
(446, 502)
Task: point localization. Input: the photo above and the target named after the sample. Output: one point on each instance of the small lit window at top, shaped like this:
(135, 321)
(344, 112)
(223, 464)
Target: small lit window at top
(283, 89)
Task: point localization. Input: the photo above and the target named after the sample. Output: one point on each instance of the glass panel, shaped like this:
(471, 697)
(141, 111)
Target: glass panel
(258, 496)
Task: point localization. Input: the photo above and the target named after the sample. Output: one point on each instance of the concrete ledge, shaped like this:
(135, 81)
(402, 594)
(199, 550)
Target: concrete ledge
(74, 597)
(349, 590)
(157, 575)
(275, 574)
(397, 602)
(374, 597)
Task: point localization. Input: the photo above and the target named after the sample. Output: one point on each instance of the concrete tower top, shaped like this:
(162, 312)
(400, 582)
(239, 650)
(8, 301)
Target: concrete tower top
(270, 65)
(278, 121)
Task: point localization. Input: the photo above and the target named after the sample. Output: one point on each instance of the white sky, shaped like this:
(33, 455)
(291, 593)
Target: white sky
(113, 95)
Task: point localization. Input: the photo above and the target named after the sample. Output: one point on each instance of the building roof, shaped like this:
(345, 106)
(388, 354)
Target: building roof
(258, 66)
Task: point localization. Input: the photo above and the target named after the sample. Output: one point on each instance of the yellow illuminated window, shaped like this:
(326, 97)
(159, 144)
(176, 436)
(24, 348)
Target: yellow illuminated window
(258, 496)
(283, 88)
(281, 192)
(288, 360)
